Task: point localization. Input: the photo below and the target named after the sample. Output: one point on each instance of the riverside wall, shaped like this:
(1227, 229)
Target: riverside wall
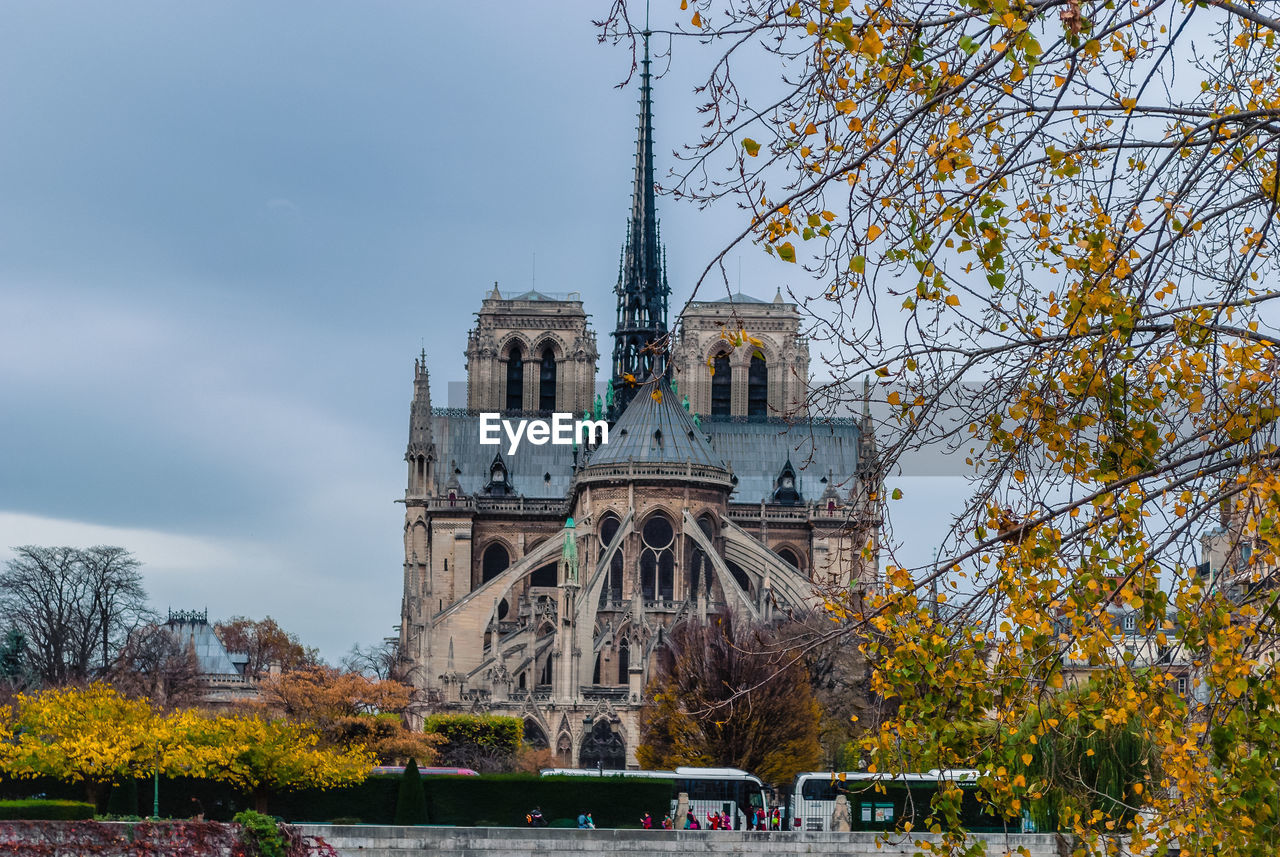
(388, 841)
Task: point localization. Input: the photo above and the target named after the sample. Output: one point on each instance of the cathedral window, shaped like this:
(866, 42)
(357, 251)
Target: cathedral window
(609, 529)
(657, 560)
(721, 386)
(515, 379)
(789, 556)
(757, 388)
(547, 381)
(545, 576)
(624, 662)
(496, 560)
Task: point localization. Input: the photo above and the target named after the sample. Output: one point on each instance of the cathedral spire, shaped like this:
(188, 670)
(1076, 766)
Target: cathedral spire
(642, 283)
(421, 451)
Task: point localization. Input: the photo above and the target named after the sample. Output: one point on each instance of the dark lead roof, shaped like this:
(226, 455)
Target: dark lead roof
(754, 449)
(655, 428)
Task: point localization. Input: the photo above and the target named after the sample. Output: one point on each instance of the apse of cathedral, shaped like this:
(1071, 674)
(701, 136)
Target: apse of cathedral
(541, 583)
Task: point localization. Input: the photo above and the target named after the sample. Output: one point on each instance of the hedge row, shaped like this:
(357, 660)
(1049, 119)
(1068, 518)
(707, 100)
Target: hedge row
(494, 799)
(45, 810)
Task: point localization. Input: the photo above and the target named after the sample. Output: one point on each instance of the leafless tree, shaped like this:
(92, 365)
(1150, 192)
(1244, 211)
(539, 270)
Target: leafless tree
(383, 660)
(156, 664)
(75, 607)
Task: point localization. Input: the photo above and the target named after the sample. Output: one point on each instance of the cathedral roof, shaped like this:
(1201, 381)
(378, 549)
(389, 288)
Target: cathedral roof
(655, 428)
(738, 298)
(531, 295)
(755, 449)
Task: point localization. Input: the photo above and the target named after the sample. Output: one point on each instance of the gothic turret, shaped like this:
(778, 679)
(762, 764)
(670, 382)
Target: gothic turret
(642, 280)
(421, 453)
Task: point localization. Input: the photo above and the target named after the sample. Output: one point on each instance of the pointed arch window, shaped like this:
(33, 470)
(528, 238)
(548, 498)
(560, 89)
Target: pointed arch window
(608, 529)
(515, 379)
(624, 662)
(657, 559)
(721, 386)
(757, 387)
(496, 560)
(547, 381)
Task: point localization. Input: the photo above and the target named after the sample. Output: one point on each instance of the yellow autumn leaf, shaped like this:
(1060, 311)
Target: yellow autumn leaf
(697, 20)
(952, 300)
(873, 233)
(1026, 758)
(656, 395)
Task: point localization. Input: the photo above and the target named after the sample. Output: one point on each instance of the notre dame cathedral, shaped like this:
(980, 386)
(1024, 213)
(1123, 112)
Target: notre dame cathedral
(540, 584)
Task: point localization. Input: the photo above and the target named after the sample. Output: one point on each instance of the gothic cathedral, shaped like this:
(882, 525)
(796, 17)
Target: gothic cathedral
(540, 584)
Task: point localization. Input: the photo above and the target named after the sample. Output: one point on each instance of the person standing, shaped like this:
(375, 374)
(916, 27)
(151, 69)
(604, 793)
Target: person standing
(591, 822)
(646, 821)
(582, 820)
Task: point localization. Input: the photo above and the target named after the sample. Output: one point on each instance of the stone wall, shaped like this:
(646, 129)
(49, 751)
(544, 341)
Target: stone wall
(386, 841)
(118, 839)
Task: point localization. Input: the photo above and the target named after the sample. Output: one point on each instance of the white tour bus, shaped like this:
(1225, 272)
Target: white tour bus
(709, 789)
(876, 801)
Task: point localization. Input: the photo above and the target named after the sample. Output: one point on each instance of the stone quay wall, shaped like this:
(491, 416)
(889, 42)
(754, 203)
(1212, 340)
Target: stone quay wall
(389, 841)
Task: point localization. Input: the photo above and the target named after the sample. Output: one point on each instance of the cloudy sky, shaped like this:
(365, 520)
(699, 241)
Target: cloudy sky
(226, 230)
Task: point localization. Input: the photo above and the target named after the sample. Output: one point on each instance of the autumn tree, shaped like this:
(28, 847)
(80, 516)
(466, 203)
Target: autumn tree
(91, 735)
(75, 607)
(261, 756)
(1047, 229)
(266, 643)
(725, 695)
(347, 709)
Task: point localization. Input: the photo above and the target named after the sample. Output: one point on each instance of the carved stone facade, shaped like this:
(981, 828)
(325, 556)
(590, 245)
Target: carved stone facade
(722, 378)
(531, 352)
(550, 605)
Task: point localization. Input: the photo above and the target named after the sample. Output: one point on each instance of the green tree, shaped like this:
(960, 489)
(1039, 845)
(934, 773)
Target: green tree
(411, 801)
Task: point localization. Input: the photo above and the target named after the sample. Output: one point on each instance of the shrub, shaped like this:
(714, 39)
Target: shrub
(480, 741)
(411, 803)
(45, 810)
(262, 831)
(345, 819)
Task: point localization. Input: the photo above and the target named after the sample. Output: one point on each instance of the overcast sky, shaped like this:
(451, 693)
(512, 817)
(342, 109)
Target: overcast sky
(226, 230)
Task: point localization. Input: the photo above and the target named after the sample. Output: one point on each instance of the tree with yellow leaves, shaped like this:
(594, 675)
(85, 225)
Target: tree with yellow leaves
(96, 736)
(260, 756)
(90, 735)
(1048, 226)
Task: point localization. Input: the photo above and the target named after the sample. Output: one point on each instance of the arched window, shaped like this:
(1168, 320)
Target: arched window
(721, 386)
(624, 662)
(757, 388)
(789, 556)
(515, 379)
(496, 560)
(740, 576)
(609, 529)
(602, 747)
(547, 381)
(534, 736)
(657, 559)
(544, 576)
